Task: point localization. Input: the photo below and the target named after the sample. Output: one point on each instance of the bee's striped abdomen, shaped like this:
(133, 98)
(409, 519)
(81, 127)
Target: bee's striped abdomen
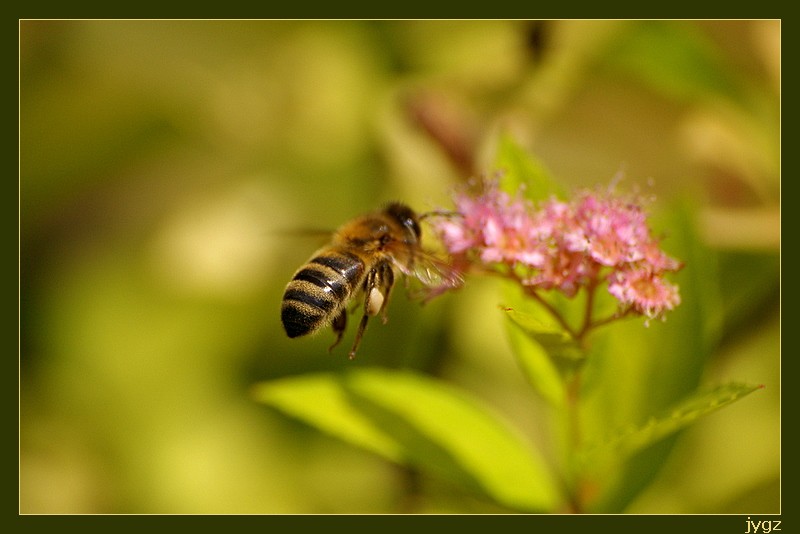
(319, 290)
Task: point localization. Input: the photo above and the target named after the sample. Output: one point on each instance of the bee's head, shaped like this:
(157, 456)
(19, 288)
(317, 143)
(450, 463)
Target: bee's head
(405, 216)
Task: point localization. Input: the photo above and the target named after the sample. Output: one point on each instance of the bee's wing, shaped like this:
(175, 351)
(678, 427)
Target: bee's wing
(434, 273)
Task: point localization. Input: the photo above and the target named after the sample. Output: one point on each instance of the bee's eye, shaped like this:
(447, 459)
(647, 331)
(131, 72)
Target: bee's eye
(405, 216)
(412, 223)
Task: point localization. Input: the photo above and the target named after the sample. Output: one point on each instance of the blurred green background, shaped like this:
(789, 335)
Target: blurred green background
(169, 171)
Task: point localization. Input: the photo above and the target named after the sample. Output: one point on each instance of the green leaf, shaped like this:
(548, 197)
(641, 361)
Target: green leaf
(675, 59)
(536, 347)
(521, 168)
(322, 401)
(411, 419)
(634, 439)
(553, 338)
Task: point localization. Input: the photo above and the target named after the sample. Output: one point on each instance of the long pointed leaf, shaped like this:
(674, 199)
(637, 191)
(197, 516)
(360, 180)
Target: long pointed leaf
(634, 439)
(411, 419)
(321, 401)
(534, 346)
(520, 168)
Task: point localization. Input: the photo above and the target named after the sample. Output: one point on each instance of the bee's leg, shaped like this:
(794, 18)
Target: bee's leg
(339, 325)
(377, 288)
(385, 289)
(359, 333)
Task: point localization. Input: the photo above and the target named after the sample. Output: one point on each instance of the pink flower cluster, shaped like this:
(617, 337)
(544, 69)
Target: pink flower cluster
(564, 245)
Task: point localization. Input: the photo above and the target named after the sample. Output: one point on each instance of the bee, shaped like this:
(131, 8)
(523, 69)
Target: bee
(362, 260)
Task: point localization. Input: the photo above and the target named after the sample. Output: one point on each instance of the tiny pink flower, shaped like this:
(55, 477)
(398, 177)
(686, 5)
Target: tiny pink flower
(614, 228)
(598, 237)
(656, 260)
(648, 293)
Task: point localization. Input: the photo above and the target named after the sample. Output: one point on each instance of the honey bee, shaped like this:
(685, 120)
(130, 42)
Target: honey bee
(362, 260)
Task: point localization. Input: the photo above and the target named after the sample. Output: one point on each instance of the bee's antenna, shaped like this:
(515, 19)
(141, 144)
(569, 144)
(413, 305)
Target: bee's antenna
(439, 213)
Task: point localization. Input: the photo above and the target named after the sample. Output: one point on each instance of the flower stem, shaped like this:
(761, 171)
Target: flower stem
(613, 317)
(587, 314)
(573, 398)
(574, 439)
(552, 311)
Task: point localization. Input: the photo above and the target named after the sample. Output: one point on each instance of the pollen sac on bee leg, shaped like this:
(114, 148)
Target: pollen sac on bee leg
(375, 301)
